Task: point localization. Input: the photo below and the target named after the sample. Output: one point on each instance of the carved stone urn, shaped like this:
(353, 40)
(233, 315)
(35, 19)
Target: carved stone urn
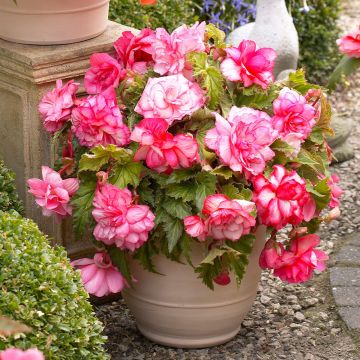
(273, 28)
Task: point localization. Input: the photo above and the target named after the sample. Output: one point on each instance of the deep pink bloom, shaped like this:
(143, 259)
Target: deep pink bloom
(293, 117)
(169, 51)
(282, 199)
(248, 65)
(53, 193)
(170, 98)
(224, 219)
(134, 51)
(17, 354)
(336, 191)
(297, 264)
(271, 255)
(223, 279)
(242, 141)
(104, 72)
(119, 221)
(56, 105)
(160, 149)
(97, 120)
(99, 276)
(350, 44)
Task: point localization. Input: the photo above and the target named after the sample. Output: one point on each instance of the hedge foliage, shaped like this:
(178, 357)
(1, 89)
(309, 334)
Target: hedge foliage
(39, 288)
(9, 199)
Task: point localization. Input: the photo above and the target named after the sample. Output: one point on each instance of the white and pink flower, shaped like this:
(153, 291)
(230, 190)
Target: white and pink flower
(99, 276)
(282, 198)
(17, 354)
(243, 140)
(104, 72)
(55, 107)
(97, 120)
(350, 44)
(250, 66)
(169, 51)
(224, 219)
(119, 221)
(53, 193)
(335, 191)
(161, 150)
(134, 52)
(170, 98)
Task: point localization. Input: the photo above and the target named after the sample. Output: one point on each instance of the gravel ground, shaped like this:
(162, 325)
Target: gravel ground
(292, 322)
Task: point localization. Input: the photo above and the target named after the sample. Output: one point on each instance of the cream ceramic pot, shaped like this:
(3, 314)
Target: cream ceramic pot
(178, 310)
(46, 22)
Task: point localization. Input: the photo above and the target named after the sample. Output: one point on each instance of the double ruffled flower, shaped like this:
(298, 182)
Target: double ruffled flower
(53, 193)
(350, 44)
(161, 150)
(119, 221)
(243, 140)
(224, 219)
(99, 275)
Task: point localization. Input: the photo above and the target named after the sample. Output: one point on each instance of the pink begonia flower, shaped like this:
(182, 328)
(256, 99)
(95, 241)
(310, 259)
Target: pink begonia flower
(223, 279)
(55, 107)
(134, 52)
(160, 149)
(119, 221)
(53, 193)
(243, 140)
(99, 276)
(170, 98)
(224, 219)
(297, 264)
(336, 191)
(17, 354)
(293, 117)
(350, 44)
(97, 120)
(282, 198)
(169, 51)
(250, 66)
(104, 72)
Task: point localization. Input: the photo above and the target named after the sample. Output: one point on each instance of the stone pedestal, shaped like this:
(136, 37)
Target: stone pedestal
(26, 73)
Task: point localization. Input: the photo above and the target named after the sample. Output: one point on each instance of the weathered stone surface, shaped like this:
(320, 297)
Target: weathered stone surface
(345, 276)
(346, 296)
(26, 73)
(351, 316)
(349, 254)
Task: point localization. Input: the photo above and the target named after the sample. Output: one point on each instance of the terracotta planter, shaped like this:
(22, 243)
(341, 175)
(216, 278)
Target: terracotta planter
(179, 311)
(47, 22)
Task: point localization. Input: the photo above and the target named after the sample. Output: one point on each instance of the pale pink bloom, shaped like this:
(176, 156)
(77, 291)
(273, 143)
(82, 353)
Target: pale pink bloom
(243, 140)
(99, 276)
(195, 227)
(350, 44)
(97, 120)
(250, 66)
(104, 72)
(53, 193)
(169, 51)
(293, 117)
(134, 51)
(17, 354)
(161, 150)
(297, 264)
(336, 191)
(282, 198)
(119, 221)
(224, 219)
(170, 98)
(55, 107)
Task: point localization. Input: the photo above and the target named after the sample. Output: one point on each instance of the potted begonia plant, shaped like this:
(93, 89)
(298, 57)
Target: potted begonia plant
(46, 22)
(182, 165)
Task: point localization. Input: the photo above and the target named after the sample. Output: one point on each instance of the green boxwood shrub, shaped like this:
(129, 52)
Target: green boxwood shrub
(9, 199)
(39, 288)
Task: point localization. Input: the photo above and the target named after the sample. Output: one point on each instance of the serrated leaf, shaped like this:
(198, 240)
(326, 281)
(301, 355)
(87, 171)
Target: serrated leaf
(177, 208)
(205, 185)
(185, 191)
(215, 34)
(100, 155)
(244, 245)
(146, 192)
(324, 122)
(127, 174)
(118, 258)
(314, 161)
(178, 176)
(254, 96)
(317, 136)
(214, 86)
(346, 66)
(223, 171)
(186, 248)
(174, 229)
(283, 146)
(200, 138)
(144, 255)
(298, 82)
(233, 192)
(321, 193)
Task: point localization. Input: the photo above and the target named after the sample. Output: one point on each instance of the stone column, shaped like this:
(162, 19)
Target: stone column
(26, 73)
